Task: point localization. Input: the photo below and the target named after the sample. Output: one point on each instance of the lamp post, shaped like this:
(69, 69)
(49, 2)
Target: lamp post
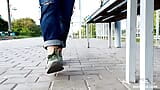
(9, 17)
(80, 21)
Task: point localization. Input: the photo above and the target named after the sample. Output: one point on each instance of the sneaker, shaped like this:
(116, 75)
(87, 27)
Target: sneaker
(60, 58)
(55, 62)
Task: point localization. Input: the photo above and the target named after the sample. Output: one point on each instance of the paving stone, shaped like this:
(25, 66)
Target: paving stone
(72, 73)
(110, 84)
(90, 72)
(77, 77)
(45, 78)
(84, 77)
(88, 68)
(99, 68)
(20, 80)
(74, 69)
(69, 85)
(20, 72)
(13, 76)
(34, 68)
(39, 71)
(33, 86)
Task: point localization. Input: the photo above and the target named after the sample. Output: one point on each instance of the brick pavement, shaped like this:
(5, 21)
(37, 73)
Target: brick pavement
(22, 66)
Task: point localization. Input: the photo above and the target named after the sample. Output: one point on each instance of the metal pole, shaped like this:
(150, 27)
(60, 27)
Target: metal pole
(109, 35)
(87, 34)
(103, 29)
(117, 34)
(9, 17)
(92, 30)
(80, 17)
(157, 26)
(96, 30)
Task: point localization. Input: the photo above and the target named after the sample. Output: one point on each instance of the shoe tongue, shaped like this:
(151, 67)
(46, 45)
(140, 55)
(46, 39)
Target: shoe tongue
(55, 52)
(50, 55)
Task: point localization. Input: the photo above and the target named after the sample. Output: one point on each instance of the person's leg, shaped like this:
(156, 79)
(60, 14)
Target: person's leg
(52, 35)
(66, 13)
(55, 22)
(50, 24)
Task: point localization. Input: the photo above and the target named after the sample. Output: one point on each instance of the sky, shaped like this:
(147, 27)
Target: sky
(30, 8)
(24, 8)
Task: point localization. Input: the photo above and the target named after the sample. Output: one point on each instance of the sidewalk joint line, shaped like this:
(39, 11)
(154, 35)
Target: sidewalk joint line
(38, 64)
(51, 85)
(4, 81)
(69, 77)
(36, 79)
(28, 74)
(87, 85)
(100, 76)
(14, 86)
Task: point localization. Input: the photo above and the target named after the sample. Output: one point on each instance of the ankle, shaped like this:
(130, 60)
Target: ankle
(51, 49)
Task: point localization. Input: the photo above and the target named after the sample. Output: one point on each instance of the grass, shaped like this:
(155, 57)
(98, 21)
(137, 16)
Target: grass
(137, 40)
(21, 37)
(14, 37)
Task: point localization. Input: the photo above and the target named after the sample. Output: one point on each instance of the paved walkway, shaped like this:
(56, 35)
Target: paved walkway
(22, 66)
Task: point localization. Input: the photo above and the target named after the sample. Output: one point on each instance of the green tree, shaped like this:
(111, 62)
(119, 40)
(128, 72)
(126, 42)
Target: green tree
(83, 31)
(26, 26)
(92, 30)
(3, 25)
(154, 30)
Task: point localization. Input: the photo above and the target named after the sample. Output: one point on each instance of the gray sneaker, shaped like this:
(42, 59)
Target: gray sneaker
(55, 62)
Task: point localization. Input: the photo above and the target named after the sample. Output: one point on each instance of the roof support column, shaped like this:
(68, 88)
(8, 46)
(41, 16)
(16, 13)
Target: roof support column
(101, 31)
(91, 30)
(146, 44)
(97, 30)
(87, 34)
(131, 40)
(117, 34)
(106, 30)
(109, 35)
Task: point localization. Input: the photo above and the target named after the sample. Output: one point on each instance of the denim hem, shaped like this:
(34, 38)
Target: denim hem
(54, 42)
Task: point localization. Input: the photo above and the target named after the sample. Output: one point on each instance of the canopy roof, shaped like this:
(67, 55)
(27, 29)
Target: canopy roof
(114, 10)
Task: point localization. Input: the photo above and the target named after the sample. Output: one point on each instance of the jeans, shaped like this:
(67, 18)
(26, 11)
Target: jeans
(55, 21)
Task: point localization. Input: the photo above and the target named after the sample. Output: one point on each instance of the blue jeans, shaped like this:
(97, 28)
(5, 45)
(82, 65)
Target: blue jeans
(55, 21)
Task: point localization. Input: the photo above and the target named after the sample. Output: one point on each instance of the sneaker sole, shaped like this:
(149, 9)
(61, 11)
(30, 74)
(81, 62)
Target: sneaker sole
(55, 67)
